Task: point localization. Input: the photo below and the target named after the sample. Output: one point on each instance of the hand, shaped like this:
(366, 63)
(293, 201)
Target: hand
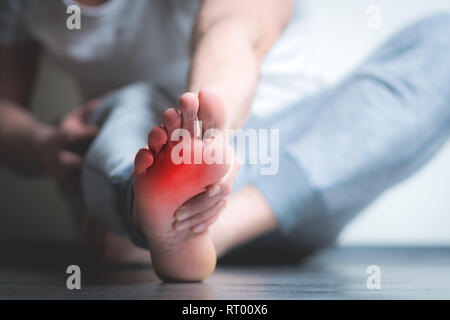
(201, 211)
(61, 149)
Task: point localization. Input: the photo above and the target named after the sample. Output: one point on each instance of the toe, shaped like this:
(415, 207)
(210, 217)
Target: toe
(143, 160)
(172, 121)
(188, 109)
(211, 110)
(156, 139)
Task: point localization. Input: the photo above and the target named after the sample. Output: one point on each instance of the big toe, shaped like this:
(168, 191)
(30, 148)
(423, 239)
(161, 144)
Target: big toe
(211, 109)
(189, 108)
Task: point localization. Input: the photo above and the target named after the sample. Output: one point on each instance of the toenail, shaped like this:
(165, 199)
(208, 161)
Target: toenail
(180, 226)
(182, 213)
(192, 95)
(214, 191)
(199, 228)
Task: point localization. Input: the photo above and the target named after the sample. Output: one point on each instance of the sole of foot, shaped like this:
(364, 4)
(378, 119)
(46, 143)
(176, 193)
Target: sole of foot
(162, 185)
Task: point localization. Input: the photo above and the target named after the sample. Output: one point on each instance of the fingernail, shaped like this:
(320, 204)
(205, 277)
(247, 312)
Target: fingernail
(182, 214)
(214, 190)
(180, 226)
(199, 228)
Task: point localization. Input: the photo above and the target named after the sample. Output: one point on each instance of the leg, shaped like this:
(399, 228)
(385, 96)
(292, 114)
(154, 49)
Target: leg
(107, 172)
(343, 148)
(108, 167)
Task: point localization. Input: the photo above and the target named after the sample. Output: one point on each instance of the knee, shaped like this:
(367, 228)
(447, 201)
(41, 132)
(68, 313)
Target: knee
(434, 29)
(437, 20)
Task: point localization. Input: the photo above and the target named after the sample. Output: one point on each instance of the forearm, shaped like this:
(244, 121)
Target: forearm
(20, 133)
(229, 41)
(224, 58)
(20, 137)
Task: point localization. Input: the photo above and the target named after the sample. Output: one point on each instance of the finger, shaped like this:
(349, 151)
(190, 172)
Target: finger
(72, 122)
(200, 217)
(206, 224)
(210, 197)
(82, 134)
(88, 109)
(201, 202)
(68, 160)
(77, 120)
(79, 142)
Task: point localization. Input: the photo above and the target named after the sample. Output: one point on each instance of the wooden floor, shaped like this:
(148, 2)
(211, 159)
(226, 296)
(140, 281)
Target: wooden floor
(39, 272)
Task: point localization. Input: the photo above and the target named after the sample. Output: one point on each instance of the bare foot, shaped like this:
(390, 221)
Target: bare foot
(161, 186)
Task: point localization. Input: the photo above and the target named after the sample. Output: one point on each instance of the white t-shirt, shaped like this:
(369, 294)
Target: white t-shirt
(124, 41)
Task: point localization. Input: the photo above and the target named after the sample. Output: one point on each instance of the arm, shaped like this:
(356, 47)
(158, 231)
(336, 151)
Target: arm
(230, 39)
(20, 133)
(27, 145)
